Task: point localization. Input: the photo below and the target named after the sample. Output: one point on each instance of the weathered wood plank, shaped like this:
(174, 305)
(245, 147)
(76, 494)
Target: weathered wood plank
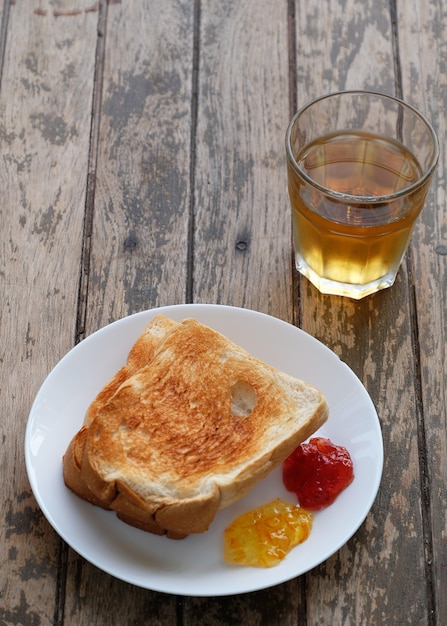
(242, 250)
(141, 203)
(45, 102)
(343, 45)
(140, 218)
(422, 31)
(242, 225)
(380, 570)
(283, 605)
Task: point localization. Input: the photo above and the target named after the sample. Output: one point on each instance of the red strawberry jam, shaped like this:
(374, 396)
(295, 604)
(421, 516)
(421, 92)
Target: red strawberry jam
(317, 472)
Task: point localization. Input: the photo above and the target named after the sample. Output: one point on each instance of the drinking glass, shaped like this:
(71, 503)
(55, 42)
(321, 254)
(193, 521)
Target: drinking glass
(359, 169)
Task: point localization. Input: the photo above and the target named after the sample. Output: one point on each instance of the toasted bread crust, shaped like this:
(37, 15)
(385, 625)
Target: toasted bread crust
(73, 475)
(188, 426)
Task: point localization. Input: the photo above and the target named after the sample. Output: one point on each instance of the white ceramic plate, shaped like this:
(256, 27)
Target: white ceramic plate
(195, 565)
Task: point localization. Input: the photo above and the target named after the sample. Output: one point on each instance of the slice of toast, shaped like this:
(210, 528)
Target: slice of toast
(189, 430)
(140, 355)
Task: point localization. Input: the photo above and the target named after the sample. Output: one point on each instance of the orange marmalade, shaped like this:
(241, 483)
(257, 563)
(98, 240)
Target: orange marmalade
(263, 536)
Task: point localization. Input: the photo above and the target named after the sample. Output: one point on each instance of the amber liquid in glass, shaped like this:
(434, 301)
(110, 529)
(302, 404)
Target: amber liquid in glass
(353, 242)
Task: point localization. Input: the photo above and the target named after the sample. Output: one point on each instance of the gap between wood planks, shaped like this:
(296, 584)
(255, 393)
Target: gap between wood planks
(91, 175)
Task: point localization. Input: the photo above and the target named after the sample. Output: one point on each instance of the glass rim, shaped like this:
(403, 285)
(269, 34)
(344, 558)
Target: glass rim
(346, 197)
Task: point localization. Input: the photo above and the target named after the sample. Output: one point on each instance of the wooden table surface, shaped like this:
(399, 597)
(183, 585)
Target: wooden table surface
(142, 148)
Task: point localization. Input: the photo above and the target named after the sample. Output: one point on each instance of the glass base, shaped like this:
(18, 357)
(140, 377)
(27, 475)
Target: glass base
(349, 290)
